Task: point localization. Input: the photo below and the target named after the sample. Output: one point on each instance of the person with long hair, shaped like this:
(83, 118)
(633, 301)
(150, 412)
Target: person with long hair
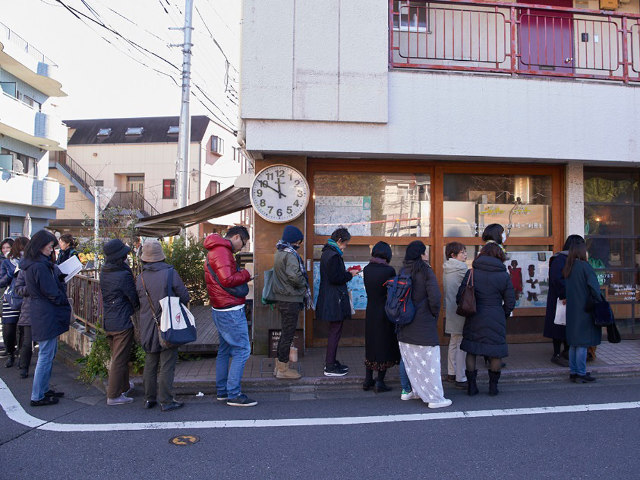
(68, 245)
(485, 332)
(418, 340)
(5, 248)
(50, 312)
(380, 341)
(583, 292)
(8, 273)
(557, 293)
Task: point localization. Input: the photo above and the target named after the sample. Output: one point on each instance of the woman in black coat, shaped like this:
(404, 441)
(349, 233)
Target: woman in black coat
(25, 344)
(485, 332)
(381, 344)
(557, 292)
(67, 248)
(333, 303)
(50, 311)
(119, 300)
(418, 340)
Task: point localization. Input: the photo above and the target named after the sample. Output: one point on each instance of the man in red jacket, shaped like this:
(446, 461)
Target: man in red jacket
(227, 287)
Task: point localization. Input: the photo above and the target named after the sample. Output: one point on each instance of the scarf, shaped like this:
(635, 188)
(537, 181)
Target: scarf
(282, 245)
(499, 244)
(332, 243)
(381, 261)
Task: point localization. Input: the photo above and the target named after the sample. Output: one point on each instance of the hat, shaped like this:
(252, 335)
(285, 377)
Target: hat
(415, 250)
(115, 249)
(152, 252)
(291, 234)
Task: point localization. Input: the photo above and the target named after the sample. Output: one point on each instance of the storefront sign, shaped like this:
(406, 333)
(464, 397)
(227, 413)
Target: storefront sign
(274, 338)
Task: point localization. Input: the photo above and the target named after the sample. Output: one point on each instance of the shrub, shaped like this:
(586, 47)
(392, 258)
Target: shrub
(188, 260)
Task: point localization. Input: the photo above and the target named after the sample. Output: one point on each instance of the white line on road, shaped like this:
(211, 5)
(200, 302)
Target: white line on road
(16, 413)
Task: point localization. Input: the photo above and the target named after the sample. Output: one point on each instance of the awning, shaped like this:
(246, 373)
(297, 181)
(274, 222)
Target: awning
(230, 200)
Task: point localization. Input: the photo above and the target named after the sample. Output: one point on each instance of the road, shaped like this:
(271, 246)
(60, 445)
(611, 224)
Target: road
(536, 430)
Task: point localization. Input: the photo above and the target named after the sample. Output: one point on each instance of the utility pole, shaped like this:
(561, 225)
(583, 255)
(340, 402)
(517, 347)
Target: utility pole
(184, 133)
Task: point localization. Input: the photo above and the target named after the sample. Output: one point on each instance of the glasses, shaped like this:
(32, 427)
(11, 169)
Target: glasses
(243, 242)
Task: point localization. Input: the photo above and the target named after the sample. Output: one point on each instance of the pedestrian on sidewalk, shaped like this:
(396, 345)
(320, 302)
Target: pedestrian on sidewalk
(419, 342)
(485, 332)
(49, 311)
(380, 340)
(25, 339)
(119, 301)
(291, 289)
(558, 293)
(583, 292)
(10, 316)
(5, 248)
(333, 304)
(159, 362)
(227, 288)
(68, 246)
(455, 268)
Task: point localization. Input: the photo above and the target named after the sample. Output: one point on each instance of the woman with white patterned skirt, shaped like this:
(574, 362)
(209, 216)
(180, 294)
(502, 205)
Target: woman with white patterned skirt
(419, 343)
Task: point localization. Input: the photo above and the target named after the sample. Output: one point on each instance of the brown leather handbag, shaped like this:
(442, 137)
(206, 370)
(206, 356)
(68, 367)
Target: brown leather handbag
(467, 305)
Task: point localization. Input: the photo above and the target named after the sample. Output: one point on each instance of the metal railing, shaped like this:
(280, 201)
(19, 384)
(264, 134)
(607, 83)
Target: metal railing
(514, 38)
(75, 170)
(13, 37)
(132, 201)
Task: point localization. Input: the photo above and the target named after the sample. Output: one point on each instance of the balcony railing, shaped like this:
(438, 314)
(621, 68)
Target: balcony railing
(20, 188)
(75, 170)
(514, 38)
(6, 34)
(132, 201)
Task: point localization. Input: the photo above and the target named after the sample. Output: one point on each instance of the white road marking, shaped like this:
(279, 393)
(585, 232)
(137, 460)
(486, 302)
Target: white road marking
(16, 413)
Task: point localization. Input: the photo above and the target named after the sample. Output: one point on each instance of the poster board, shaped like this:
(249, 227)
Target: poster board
(355, 286)
(529, 277)
(351, 212)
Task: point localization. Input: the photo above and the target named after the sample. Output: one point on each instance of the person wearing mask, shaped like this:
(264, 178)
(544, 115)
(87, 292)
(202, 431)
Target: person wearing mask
(67, 248)
(381, 344)
(419, 342)
(119, 301)
(583, 292)
(5, 248)
(159, 362)
(8, 272)
(333, 304)
(485, 332)
(226, 285)
(291, 289)
(558, 293)
(455, 268)
(49, 312)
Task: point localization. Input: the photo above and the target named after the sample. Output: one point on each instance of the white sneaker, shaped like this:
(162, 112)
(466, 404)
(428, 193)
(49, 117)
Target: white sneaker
(445, 403)
(121, 400)
(408, 395)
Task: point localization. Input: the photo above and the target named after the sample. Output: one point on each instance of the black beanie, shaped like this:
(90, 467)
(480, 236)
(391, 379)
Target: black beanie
(414, 251)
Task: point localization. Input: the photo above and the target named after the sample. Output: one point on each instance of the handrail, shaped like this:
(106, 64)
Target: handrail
(75, 170)
(28, 48)
(132, 200)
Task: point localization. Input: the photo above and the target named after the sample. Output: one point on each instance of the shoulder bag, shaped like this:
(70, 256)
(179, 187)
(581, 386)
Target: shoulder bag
(268, 296)
(467, 305)
(239, 291)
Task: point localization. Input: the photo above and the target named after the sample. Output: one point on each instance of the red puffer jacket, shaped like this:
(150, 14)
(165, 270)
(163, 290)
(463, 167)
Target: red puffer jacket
(221, 259)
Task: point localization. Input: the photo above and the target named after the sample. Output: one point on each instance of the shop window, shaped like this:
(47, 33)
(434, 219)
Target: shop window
(168, 189)
(522, 203)
(372, 204)
(612, 232)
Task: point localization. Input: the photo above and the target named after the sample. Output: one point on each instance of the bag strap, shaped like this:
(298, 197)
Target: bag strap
(215, 277)
(470, 277)
(170, 283)
(153, 310)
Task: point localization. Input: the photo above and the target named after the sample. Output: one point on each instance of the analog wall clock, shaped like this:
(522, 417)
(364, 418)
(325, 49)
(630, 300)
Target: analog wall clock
(279, 193)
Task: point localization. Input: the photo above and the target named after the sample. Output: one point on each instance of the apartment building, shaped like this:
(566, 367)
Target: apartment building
(29, 132)
(430, 120)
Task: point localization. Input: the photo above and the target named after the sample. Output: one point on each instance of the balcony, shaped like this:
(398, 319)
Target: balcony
(131, 202)
(22, 122)
(20, 58)
(516, 39)
(28, 190)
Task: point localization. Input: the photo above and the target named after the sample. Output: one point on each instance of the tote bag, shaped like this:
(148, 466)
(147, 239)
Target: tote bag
(177, 325)
(561, 313)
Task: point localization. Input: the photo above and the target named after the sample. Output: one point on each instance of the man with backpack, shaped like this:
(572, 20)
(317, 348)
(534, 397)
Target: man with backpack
(227, 288)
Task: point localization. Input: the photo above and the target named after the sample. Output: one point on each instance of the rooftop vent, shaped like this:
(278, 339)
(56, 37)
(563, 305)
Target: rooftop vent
(134, 131)
(104, 132)
(173, 129)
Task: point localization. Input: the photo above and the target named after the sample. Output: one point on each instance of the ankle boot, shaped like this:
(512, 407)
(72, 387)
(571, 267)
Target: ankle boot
(472, 387)
(11, 360)
(284, 372)
(493, 382)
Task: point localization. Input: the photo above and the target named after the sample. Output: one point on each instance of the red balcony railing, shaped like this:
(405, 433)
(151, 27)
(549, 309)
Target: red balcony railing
(514, 38)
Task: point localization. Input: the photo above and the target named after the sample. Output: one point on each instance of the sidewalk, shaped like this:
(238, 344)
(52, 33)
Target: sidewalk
(526, 363)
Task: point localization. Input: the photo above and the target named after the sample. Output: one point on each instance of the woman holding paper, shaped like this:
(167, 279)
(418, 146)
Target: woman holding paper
(67, 248)
(50, 312)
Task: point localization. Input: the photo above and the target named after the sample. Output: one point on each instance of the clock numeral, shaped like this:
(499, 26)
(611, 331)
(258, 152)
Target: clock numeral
(270, 210)
(297, 182)
(300, 193)
(296, 203)
(269, 175)
(259, 193)
(289, 210)
(263, 202)
(280, 173)
(279, 212)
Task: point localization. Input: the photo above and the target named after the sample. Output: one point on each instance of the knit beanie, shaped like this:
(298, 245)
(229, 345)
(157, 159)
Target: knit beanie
(291, 234)
(414, 251)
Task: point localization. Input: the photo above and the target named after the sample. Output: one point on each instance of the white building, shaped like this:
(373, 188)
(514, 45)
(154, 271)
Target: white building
(28, 133)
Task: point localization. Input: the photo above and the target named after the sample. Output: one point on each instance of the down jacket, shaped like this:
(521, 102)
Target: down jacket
(119, 297)
(155, 279)
(49, 307)
(333, 303)
(221, 260)
(289, 281)
(485, 333)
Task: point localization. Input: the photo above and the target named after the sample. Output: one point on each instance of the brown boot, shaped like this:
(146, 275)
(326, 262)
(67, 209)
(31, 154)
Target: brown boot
(284, 372)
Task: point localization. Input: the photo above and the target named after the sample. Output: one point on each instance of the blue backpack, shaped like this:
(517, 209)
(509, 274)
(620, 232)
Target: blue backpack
(399, 306)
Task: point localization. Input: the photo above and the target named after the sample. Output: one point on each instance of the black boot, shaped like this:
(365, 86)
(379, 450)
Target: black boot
(493, 382)
(472, 387)
(11, 360)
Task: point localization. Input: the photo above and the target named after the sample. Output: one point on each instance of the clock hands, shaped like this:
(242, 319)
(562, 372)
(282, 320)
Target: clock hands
(278, 191)
(280, 194)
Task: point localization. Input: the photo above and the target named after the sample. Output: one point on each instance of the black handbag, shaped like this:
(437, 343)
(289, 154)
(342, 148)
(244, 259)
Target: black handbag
(602, 314)
(239, 291)
(613, 335)
(467, 305)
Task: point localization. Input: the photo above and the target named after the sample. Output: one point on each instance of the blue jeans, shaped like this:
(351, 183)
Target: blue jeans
(234, 342)
(404, 378)
(42, 375)
(578, 360)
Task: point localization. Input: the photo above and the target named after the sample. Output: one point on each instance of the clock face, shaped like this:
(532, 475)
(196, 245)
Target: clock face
(279, 193)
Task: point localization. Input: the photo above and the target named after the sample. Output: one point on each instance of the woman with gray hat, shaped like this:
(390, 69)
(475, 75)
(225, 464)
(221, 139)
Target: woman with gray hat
(151, 285)
(119, 300)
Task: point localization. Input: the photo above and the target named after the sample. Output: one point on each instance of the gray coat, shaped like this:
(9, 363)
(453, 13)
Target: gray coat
(454, 272)
(155, 279)
(289, 281)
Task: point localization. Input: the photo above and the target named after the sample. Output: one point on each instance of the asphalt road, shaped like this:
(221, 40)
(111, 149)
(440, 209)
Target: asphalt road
(530, 445)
